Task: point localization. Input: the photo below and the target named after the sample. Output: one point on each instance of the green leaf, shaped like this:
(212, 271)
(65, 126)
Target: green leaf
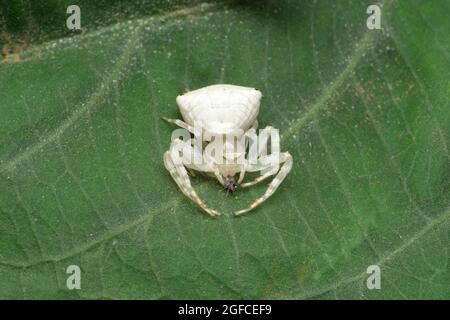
(365, 114)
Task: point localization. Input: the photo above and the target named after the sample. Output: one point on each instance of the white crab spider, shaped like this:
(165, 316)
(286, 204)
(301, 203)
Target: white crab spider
(220, 110)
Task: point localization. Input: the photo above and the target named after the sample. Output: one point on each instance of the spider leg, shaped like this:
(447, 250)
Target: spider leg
(208, 169)
(181, 124)
(243, 170)
(262, 149)
(218, 176)
(285, 158)
(270, 171)
(256, 180)
(179, 174)
(263, 137)
(241, 175)
(259, 167)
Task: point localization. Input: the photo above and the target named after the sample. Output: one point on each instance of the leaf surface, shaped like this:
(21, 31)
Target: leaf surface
(365, 114)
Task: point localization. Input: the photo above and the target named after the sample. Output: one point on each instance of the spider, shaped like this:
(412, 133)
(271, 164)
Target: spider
(221, 110)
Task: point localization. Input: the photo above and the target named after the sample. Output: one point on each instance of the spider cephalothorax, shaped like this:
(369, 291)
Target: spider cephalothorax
(222, 111)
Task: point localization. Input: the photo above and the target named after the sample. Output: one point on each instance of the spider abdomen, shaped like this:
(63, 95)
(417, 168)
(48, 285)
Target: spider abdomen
(220, 109)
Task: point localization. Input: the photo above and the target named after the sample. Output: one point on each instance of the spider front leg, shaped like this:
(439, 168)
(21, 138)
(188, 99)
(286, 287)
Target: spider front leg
(179, 174)
(262, 149)
(285, 158)
(181, 124)
(256, 180)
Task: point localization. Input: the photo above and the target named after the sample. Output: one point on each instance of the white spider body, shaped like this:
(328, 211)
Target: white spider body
(223, 111)
(220, 109)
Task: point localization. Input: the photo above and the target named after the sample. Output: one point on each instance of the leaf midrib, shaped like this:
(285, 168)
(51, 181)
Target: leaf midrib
(49, 46)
